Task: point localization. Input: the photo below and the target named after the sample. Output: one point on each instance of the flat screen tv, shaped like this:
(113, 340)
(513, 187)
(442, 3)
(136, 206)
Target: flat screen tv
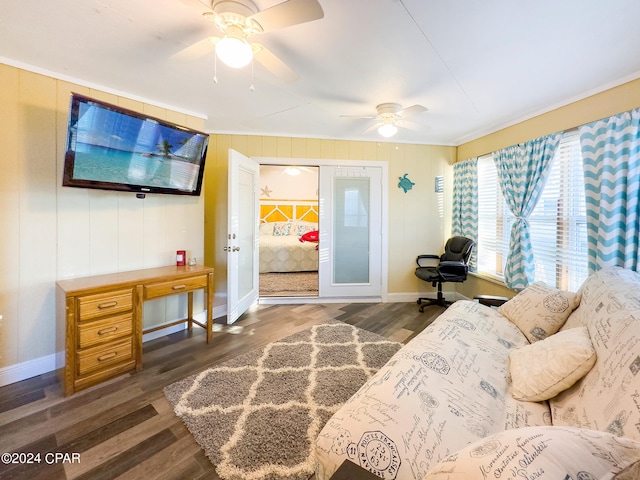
(112, 148)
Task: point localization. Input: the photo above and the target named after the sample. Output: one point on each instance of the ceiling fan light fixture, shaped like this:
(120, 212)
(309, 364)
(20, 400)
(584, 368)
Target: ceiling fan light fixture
(388, 128)
(234, 51)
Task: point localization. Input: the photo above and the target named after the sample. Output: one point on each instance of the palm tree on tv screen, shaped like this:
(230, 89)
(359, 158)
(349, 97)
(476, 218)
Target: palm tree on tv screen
(165, 148)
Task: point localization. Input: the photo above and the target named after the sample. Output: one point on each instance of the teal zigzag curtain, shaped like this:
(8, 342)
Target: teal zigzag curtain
(465, 203)
(611, 156)
(522, 172)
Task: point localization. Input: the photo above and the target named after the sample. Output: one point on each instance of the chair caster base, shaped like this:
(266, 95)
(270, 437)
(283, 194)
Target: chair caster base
(427, 302)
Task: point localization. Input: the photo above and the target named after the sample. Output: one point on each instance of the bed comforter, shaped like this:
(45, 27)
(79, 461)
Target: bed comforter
(287, 253)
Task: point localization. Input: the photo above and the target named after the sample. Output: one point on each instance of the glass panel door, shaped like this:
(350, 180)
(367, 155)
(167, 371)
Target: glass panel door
(350, 231)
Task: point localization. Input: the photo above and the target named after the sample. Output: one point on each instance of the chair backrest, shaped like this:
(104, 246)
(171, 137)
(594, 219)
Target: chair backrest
(458, 249)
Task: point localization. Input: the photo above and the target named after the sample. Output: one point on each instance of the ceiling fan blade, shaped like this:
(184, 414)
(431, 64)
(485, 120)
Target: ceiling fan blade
(413, 110)
(290, 12)
(371, 128)
(272, 63)
(369, 117)
(196, 50)
(411, 126)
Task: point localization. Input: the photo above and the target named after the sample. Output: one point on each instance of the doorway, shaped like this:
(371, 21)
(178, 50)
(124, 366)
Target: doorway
(334, 176)
(337, 191)
(288, 240)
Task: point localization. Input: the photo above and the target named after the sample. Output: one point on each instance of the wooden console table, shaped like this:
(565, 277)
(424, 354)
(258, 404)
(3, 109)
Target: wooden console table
(99, 319)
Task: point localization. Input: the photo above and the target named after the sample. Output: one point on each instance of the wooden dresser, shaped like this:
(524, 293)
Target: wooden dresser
(99, 319)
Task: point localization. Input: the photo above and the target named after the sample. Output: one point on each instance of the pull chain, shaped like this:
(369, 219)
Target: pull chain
(251, 87)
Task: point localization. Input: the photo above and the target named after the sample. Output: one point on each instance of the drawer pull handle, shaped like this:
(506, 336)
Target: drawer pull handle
(104, 331)
(179, 287)
(107, 356)
(102, 306)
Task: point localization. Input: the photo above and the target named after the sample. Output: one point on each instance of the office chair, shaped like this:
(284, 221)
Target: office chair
(452, 266)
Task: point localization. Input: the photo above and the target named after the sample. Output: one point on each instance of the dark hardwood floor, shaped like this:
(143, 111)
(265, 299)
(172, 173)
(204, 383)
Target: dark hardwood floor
(126, 429)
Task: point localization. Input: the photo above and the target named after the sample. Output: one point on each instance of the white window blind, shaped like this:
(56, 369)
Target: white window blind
(494, 220)
(557, 224)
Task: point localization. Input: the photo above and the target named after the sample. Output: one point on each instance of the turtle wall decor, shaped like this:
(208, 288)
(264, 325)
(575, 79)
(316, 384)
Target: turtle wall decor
(405, 183)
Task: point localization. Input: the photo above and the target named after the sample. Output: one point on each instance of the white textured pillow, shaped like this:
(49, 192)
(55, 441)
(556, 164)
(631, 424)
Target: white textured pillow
(539, 310)
(543, 369)
(541, 453)
(266, 228)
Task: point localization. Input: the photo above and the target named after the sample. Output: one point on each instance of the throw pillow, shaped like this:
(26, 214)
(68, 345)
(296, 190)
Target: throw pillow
(302, 229)
(632, 472)
(539, 310)
(543, 369)
(281, 229)
(543, 453)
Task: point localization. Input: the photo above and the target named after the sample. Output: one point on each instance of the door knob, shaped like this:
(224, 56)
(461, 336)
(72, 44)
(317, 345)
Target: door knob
(235, 249)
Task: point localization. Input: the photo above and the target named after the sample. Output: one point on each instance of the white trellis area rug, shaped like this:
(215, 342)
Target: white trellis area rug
(257, 416)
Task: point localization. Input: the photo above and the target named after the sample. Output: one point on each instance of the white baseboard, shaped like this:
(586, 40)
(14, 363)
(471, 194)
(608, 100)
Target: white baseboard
(28, 369)
(38, 366)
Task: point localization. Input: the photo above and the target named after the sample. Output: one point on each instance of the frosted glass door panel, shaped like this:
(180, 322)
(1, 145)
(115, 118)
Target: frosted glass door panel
(351, 230)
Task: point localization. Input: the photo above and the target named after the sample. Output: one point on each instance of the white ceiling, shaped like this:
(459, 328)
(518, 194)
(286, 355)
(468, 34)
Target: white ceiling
(477, 65)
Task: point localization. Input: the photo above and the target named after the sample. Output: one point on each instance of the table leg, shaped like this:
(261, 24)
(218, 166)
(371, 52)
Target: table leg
(190, 312)
(209, 295)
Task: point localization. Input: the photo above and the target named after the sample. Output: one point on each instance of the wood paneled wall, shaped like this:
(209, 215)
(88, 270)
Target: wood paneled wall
(50, 232)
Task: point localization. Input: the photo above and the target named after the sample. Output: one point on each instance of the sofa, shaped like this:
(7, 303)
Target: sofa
(547, 386)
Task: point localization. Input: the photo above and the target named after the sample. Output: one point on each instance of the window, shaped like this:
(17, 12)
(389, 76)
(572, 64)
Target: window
(557, 224)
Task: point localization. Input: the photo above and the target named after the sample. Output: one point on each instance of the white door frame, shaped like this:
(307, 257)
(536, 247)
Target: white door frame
(383, 165)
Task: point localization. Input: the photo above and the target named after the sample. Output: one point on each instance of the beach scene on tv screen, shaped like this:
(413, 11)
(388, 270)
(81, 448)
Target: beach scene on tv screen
(118, 148)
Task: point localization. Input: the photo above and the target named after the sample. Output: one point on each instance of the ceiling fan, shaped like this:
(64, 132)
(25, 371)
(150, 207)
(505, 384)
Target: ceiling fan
(240, 20)
(390, 117)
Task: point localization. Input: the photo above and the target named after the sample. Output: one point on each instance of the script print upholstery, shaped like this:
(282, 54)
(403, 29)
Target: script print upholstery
(541, 453)
(608, 397)
(445, 389)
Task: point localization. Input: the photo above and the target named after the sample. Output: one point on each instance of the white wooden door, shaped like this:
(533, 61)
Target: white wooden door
(242, 235)
(350, 263)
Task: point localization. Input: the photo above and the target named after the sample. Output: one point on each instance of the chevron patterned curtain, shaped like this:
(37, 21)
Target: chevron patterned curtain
(522, 173)
(465, 203)
(611, 155)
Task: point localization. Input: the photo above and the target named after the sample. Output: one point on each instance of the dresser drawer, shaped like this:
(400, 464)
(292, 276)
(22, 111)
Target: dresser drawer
(108, 303)
(104, 330)
(161, 289)
(104, 356)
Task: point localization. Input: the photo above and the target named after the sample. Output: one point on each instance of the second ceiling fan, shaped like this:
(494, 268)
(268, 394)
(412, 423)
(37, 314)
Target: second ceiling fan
(390, 117)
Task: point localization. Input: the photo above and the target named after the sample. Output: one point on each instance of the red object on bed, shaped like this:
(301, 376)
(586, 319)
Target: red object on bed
(312, 236)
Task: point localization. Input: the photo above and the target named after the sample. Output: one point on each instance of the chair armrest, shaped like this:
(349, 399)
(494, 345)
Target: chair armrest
(491, 300)
(421, 258)
(452, 269)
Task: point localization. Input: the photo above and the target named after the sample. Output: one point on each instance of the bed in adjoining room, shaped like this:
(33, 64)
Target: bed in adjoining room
(281, 248)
